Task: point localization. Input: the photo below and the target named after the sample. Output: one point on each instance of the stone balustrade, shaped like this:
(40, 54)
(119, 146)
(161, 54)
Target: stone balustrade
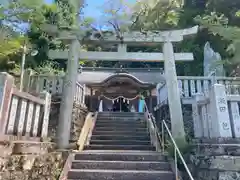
(52, 84)
(191, 85)
(216, 115)
(80, 94)
(22, 114)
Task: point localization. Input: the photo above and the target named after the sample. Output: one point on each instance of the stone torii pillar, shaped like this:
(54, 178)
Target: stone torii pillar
(174, 98)
(69, 89)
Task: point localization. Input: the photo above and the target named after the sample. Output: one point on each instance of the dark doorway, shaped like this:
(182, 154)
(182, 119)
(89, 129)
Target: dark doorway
(121, 105)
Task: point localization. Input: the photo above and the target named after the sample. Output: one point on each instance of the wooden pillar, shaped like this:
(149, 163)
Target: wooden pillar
(150, 102)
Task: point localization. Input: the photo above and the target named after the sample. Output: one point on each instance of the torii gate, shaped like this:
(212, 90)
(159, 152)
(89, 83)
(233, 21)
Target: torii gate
(168, 56)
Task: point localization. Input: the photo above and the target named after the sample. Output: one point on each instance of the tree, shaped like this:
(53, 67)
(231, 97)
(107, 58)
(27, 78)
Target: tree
(10, 45)
(13, 19)
(155, 15)
(219, 26)
(63, 14)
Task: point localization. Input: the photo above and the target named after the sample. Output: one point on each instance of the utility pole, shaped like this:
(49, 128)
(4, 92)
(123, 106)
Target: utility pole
(24, 52)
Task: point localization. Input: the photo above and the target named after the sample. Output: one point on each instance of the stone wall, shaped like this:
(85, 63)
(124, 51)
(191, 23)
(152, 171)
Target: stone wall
(211, 159)
(164, 113)
(33, 167)
(54, 116)
(188, 121)
(215, 160)
(78, 118)
(208, 159)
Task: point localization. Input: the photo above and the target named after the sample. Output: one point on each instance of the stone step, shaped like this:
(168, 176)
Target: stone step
(103, 155)
(120, 113)
(120, 128)
(109, 118)
(99, 174)
(119, 142)
(121, 120)
(112, 133)
(120, 147)
(121, 123)
(129, 118)
(117, 165)
(121, 137)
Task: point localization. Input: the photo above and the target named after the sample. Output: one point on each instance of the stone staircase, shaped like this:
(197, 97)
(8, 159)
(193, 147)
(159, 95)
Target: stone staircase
(120, 149)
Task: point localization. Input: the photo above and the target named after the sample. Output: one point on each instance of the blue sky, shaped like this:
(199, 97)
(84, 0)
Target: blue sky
(93, 7)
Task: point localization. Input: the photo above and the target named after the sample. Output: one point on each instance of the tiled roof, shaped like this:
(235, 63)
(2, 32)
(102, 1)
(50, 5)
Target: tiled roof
(98, 76)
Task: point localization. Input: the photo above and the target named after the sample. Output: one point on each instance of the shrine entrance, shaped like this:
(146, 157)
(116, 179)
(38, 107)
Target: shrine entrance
(165, 39)
(120, 105)
(120, 92)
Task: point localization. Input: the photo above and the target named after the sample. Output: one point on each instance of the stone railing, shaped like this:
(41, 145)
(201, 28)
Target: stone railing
(22, 114)
(80, 94)
(28, 115)
(162, 95)
(216, 115)
(24, 119)
(50, 83)
(190, 85)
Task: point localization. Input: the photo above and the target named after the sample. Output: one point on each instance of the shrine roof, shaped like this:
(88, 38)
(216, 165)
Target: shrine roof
(146, 77)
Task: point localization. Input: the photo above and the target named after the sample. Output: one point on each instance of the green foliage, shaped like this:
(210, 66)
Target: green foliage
(220, 19)
(238, 13)
(155, 15)
(50, 68)
(22, 11)
(218, 25)
(183, 146)
(62, 14)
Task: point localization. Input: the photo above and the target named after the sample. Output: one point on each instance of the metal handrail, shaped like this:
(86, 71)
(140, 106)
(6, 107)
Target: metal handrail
(161, 139)
(176, 151)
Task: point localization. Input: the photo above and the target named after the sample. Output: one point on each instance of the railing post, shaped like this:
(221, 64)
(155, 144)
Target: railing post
(27, 80)
(6, 85)
(175, 160)
(47, 107)
(84, 92)
(219, 112)
(163, 148)
(12, 115)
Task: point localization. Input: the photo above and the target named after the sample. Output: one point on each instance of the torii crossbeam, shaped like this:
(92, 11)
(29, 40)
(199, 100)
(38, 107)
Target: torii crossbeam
(119, 56)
